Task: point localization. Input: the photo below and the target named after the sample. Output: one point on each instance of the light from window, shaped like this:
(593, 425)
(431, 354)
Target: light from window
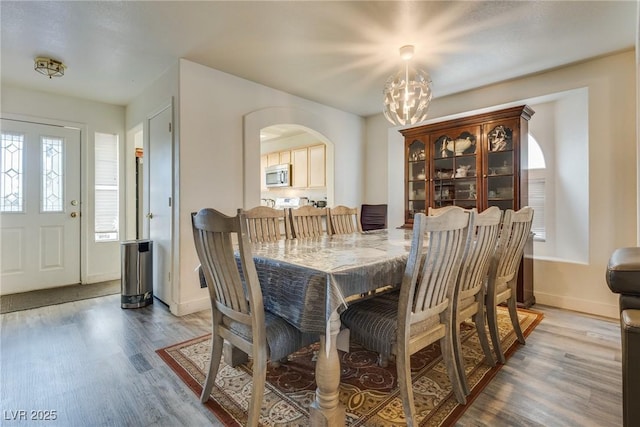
(106, 187)
(537, 182)
(536, 158)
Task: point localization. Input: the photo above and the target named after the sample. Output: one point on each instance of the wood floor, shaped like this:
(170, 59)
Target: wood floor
(94, 364)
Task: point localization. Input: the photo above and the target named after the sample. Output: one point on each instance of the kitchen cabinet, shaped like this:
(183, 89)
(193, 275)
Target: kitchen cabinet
(472, 162)
(285, 157)
(273, 158)
(300, 167)
(317, 166)
(308, 165)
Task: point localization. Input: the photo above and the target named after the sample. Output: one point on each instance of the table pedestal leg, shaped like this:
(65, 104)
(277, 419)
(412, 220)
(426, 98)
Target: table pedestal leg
(233, 356)
(326, 410)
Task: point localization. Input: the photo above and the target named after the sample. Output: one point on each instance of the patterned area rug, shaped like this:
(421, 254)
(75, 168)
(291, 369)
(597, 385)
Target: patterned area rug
(367, 391)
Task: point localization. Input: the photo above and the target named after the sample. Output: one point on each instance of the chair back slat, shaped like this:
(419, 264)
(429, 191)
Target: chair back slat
(515, 231)
(308, 221)
(483, 236)
(344, 220)
(429, 278)
(265, 224)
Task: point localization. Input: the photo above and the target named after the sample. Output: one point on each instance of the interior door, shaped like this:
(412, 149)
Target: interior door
(39, 206)
(160, 193)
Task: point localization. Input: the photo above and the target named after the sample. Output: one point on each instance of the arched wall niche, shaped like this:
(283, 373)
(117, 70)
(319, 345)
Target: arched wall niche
(255, 121)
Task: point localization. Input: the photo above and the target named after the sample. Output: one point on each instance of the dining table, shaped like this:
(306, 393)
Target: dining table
(309, 282)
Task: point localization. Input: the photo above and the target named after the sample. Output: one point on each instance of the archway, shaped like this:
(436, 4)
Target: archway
(257, 120)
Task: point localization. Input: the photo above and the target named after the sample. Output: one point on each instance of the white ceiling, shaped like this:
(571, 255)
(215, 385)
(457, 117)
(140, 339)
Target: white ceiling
(334, 52)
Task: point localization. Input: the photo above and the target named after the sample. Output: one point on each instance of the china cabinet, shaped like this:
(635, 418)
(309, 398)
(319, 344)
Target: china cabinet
(472, 162)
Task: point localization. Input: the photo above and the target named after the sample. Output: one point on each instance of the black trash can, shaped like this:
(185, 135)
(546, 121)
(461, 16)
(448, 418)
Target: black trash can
(137, 273)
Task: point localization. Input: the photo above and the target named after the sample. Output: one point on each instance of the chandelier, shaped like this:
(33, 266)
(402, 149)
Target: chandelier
(407, 94)
(49, 67)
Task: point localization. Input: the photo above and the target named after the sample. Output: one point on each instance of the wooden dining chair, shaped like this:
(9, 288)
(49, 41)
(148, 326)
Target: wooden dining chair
(503, 273)
(344, 220)
(308, 221)
(237, 311)
(421, 313)
(431, 211)
(265, 224)
(470, 289)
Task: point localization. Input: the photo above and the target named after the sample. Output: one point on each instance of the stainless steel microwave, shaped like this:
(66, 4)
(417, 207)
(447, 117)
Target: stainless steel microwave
(278, 175)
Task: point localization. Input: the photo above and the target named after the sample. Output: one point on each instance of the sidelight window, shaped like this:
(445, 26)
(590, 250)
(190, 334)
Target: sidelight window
(12, 172)
(106, 187)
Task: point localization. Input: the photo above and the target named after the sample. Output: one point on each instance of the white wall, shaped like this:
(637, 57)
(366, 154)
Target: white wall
(572, 177)
(161, 93)
(100, 261)
(378, 163)
(216, 156)
(611, 83)
(561, 127)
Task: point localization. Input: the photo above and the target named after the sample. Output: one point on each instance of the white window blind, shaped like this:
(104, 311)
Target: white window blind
(536, 201)
(106, 187)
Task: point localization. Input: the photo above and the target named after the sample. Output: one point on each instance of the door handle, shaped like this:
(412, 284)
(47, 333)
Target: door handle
(74, 214)
(149, 215)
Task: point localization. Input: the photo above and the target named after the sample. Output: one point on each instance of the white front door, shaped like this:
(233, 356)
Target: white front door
(39, 206)
(160, 193)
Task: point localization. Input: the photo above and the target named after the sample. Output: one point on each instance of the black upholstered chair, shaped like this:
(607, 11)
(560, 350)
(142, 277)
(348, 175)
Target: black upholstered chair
(373, 217)
(623, 277)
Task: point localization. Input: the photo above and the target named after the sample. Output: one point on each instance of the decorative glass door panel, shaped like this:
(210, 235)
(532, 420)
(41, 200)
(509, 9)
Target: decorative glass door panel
(500, 166)
(416, 179)
(455, 168)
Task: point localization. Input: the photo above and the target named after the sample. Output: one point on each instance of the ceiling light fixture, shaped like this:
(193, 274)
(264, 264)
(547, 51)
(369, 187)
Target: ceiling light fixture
(407, 94)
(49, 67)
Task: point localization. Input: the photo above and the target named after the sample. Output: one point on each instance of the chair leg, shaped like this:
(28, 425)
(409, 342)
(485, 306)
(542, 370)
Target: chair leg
(492, 319)
(403, 364)
(259, 380)
(513, 314)
(383, 359)
(446, 344)
(457, 356)
(214, 365)
(479, 321)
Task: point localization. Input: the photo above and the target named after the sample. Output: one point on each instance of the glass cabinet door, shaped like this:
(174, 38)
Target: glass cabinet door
(455, 168)
(501, 168)
(416, 179)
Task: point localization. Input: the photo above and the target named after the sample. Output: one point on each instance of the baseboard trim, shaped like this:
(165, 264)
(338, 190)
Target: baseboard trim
(577, 304)
(189, 307)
